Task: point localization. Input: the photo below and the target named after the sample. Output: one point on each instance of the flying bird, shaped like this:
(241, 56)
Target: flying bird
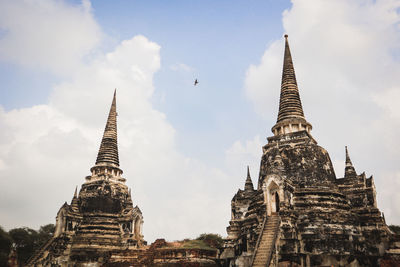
(195, 82)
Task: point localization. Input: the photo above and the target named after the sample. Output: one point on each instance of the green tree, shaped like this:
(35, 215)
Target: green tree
(213, 240)
(5, 246)
(45, 233)
(25, 241)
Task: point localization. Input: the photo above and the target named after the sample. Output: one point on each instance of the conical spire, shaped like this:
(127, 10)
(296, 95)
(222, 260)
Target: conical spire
(107, 162)
(290, 103)
(248, 186)
(348, 160)
(349, 170)
(74, 202)
(108, 152)
(290, 112)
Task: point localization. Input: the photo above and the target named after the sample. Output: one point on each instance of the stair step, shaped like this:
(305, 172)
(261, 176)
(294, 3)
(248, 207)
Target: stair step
(265, 246)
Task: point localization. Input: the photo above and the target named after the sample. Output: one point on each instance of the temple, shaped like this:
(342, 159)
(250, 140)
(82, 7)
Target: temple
(101, 227)
(101, 224)
(301, 214)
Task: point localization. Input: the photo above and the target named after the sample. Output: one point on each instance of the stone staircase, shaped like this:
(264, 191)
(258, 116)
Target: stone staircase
(266, 242)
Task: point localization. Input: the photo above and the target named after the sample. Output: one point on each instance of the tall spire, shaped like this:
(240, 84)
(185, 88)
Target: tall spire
(290, 103)
(349, 170)
(108, 152)
(107, 159)
(74, 201)
(290, 114)
(249, 184)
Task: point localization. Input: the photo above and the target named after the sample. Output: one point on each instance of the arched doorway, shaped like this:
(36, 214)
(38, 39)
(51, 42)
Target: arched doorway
(273, 195)
(276, 202)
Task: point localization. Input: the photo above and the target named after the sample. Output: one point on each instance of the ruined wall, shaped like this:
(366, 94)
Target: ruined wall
(161, 254)
(324, 220)
(100, 220)
(298, 158)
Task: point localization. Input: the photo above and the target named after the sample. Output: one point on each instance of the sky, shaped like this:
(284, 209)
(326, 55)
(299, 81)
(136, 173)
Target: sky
(184, 149)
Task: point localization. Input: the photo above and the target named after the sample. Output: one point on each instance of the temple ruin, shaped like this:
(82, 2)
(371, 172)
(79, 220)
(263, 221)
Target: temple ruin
(101, 227)
(101, 220)
(301, 214)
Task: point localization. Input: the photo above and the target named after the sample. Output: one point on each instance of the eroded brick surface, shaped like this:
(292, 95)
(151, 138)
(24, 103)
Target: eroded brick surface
(324, 220)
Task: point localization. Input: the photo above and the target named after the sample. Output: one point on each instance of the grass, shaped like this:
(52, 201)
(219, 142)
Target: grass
(200, 244)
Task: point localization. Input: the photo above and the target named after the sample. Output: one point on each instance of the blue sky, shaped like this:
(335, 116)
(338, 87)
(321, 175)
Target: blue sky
(184, 148)
(218, 40)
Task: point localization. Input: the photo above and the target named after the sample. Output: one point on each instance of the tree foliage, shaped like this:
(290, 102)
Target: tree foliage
(5, 246)
(213, 240)
(45, 233)
(25, 240)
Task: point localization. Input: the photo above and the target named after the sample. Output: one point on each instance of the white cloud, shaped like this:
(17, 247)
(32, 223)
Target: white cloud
(46, 150)
(347, 71)
(390, 185)
(268, 74)
(243, 153)
(51, 35)
(388, 100)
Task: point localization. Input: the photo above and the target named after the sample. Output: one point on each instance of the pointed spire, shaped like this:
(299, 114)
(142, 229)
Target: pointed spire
(290, 103)
(290, 109)
(249, 184)
(349, 170)
(107, 162)
(348, 160)
(74, 202)
(108, 152)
